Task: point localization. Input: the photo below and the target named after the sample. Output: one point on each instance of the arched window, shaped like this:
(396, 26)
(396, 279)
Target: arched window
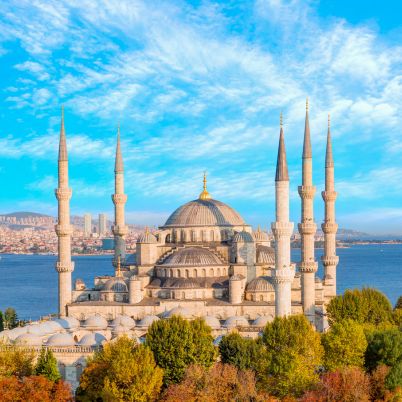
(193, 236)
(194, 273)
(203, 235)
(212, 236)
(168, 238)
(219, 272)
(261, 298)
(224, 271)
(204, 273)
(211, 272)
(272, 297)
(183, 236)
(187, 273)
(178, 273)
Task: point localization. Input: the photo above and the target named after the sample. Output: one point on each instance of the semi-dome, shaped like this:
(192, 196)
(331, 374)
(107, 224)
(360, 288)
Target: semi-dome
(263, 320)
(261, 235)
(212, 321)
(61, 340)
(147, 238)
(265, 255)
(236, 321)
(115, 285)
(261, 284)
(243, 237)
(192, 257)
(93, 339)
(204, 212)
(183, 283)
(29, 340)
(124, 321)
(95, 322)
(147, 321)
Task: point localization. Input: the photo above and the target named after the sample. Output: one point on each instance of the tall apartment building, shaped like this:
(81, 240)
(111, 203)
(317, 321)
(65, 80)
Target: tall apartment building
(87, 224)
(102, 224)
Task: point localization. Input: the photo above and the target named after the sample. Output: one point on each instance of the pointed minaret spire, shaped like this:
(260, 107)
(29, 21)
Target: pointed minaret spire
(329, 160)
(204, 194)
(281, 163)
(118, 166)
(282, 229)
(62, 143)
(307, 140)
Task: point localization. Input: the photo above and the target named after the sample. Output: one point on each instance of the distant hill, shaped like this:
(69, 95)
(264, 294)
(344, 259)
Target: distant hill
(23, 214)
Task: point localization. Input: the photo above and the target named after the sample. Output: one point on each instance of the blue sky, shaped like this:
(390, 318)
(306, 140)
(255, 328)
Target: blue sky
(199, 86)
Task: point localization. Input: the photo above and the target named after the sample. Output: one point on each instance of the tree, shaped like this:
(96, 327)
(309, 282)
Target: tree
(121, 371)
(34, 389)
(394, 378)
(177, 343)
(343, 385)
(46, 365)
(364, 306)
(344, 345)
(15, 361)
(398, 304)
(1, 321)
(244, 353)
(294, 353)
(384, 347)
(10, 318)
(220, 383)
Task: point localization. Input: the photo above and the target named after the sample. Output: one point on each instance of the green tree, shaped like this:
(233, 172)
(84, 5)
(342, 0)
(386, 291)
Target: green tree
(398, 304)
(364, 306)
(46, 365)
(177, 343)
(1, 321)
(121, 372)
(394, 378)
(244, 353)
(294, 353)
(384, 347)
(10, 318)
(344, 345)
(15, 361)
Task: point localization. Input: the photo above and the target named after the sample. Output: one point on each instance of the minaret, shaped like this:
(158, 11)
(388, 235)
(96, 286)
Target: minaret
(282, 229)
(64, 265)
(329, 227)
(307, 228)
(119, 199)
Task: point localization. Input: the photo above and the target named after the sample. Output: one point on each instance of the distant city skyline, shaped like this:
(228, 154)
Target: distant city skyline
(211, 104)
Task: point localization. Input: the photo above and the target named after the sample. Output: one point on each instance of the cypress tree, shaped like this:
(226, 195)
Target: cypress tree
(1, 321)
(47, 365)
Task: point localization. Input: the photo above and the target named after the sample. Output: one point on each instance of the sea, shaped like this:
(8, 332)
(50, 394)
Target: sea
(28, 283)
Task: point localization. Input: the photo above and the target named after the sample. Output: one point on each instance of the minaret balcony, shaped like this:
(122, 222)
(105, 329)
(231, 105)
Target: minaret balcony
(120, 230)
(329, 227)
(284, 274)
(306, 192)
(307, 228)
(64, 266)
(280, 229)
(63, 194)
(329, 195)
(308, 266)
(329, 260)
(63, 230)
(119, 199)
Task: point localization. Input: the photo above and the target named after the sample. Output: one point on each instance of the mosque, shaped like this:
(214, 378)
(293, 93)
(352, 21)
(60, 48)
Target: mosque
(204, 261)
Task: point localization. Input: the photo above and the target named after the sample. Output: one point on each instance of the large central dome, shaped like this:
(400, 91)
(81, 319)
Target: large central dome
(204, 212)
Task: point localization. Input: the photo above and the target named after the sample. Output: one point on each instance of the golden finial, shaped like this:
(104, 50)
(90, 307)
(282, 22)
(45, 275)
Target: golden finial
(205, 195)
(307, 104)
(118, 273)
(281, 120)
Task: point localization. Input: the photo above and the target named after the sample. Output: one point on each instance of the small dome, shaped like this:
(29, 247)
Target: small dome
(263, 320)
(146, 238)
(14, 333)
(61, 340)
(265, 255)
(69, 323)
(29, 340)
(261, 236)
(120, 330)
(147, 321)
(51, 327)
(4, 336)
(261, 284)
(204, 212)
(115, 285)
(36, 329)
(236, 277)
(181, 311)
(212, 321)
(124, 321)
(243, 237)
(95, 322)
(192, 257)
(236, 321)
(93, 339)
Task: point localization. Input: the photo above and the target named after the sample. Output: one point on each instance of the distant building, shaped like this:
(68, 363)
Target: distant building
(102, 225)
(87, 224)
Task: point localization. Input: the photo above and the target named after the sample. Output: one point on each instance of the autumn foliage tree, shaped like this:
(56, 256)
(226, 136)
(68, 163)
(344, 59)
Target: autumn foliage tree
(121, 372)
(177, 343)
(15, 361)
(294, 353)
(344, 345)
(220, 383)
(34, 389)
